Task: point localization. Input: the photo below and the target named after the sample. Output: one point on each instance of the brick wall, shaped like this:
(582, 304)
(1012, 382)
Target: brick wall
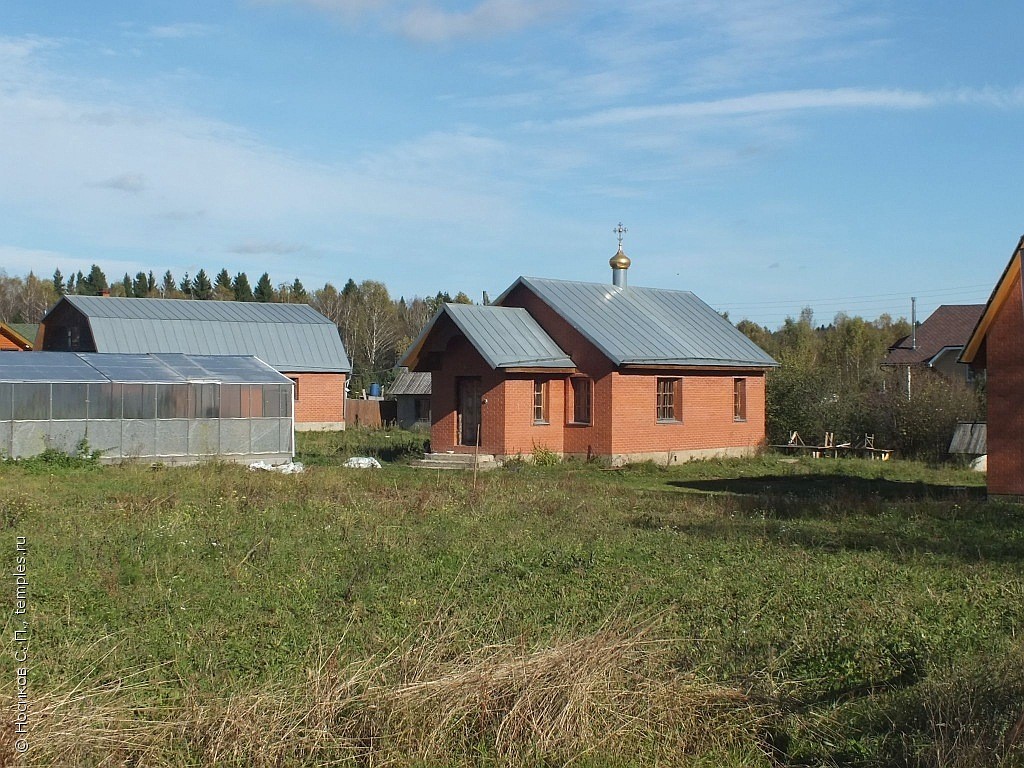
(321, 398)
(1005, 362)
(705, 416)
(522, 433)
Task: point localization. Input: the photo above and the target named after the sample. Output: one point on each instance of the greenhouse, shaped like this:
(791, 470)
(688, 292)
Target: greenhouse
(169, 408)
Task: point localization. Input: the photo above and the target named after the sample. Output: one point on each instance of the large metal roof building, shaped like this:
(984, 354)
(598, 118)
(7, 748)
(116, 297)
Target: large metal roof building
(291, 338)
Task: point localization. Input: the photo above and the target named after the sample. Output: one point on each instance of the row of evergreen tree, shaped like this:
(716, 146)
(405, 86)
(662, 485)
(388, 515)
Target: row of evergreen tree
(223, 287)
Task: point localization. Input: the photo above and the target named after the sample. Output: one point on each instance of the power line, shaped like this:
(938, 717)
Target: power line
(875, 296)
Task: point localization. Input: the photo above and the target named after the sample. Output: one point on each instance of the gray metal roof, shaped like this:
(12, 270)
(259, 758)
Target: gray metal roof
(647, 326)
(506, 337)
(410, 383)
(63, 367)
(288, 337)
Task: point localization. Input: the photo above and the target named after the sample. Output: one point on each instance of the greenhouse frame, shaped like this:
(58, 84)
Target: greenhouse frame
(168, 408)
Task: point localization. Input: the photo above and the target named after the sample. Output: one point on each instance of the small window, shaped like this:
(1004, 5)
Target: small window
(581, 397)
(669, 403)
(540, 401)
(295, 389)
(739, 399)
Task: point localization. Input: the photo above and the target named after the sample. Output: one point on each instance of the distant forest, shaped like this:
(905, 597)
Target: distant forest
(830, 377)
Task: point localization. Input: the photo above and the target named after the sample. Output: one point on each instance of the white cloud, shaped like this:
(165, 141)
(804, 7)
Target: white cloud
(256, 247)
(345, 8)
(759, 103)
(490, 18)
(426, 22)
(179, 31)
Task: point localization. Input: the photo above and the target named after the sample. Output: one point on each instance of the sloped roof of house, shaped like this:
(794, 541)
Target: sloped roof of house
(26, 330)
(995, 304)
(647, 326)
(948, 327)
(410, 383)
(505, 337)
(17, 333)
(288, 337)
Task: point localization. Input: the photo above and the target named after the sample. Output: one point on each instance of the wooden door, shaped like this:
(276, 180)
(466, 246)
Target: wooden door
(469, 393)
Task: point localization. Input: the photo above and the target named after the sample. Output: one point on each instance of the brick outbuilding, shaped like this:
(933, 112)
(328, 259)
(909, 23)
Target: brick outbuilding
(997, 347)
(592, 370)
(294, 339)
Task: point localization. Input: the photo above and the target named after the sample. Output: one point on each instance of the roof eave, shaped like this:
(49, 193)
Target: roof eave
(995, 303)
(702, 364)
(16, 337)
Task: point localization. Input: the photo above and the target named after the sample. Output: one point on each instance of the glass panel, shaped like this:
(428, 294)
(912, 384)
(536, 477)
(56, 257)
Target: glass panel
(230, 401)
(255, 401)
(5, 401)
(132, 398)
(211, 401)
(667, 399)
(172, 401)
(149, 401)
(286, 400)
(581, 400)
(69, 401)
(31, 401)
(105, 401)
(271, 400)
(205, 402)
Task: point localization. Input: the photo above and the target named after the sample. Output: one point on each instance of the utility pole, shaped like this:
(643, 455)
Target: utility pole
(913, 336)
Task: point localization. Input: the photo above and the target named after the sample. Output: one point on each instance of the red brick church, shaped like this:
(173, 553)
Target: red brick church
(592, 370)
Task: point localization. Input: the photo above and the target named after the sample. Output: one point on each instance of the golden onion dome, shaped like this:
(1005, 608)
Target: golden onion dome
(620, 260)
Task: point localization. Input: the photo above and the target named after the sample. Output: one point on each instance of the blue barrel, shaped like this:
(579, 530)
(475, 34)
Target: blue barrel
(375, 390)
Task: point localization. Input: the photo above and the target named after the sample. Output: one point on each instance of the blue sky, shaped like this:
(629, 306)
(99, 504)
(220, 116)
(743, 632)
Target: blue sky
(765, 154)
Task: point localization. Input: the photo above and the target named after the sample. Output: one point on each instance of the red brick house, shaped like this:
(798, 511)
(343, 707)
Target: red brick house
(294, 339)
(589, 369)
(997, 347)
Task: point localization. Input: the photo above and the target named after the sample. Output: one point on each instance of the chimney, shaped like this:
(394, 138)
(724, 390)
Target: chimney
(620, 261)
(913, 322)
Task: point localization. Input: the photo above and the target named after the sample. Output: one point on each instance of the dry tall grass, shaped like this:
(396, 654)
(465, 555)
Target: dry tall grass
(611, 693)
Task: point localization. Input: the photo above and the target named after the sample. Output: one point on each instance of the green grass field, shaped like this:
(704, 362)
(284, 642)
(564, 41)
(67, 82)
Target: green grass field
(744, 612)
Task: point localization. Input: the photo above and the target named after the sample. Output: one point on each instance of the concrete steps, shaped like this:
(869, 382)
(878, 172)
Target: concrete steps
(483, 461)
